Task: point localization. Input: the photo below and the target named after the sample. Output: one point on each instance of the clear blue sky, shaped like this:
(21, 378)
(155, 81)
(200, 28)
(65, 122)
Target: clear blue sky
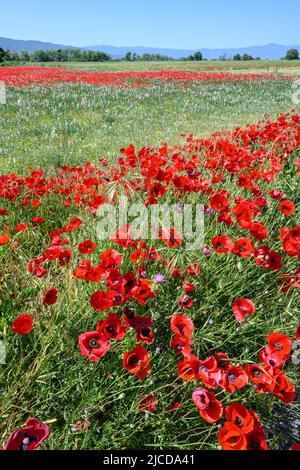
(189, 24)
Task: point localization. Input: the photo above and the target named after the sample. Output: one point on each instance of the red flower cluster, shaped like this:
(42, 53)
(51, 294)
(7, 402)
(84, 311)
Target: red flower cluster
(23, 76)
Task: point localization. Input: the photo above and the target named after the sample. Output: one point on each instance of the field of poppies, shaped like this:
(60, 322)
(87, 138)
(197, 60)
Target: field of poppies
(133, 343)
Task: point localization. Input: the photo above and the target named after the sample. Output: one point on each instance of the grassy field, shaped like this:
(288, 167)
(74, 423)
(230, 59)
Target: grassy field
(45, 375)
(73, 123)
(254, 66)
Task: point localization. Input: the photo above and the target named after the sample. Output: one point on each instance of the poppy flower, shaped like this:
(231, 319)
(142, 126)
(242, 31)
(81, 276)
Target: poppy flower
(243, 214)
(137, 362)
(4, 239)
(188, 287)
(21, 228)
(65, 257)
(295, 447)
(267, 258)
(281, 343)
(112, 327)
(222, 244)
(93, 345)
(101, 300)
(171, 237)
(86, 271)
(148, 403)
(219, 201)
(110, 259)
(261, 375)
(185, 302)
(243, 247)
(181, 345)
(258, 231)
(187, 368)
(142, 291)
(74, 225)
(231, 437)
(237, 414)
(210, 409)
(30, 437)
(193, 270)
(282, 387)
(144, 329)
(234, 379)
(287, 207)
(50, 297)
(241, 308)
(87, 247)
(298, 333)
(23, 324)
(182, 325)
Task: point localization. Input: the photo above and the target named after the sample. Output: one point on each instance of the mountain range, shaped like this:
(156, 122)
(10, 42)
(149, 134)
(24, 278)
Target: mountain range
(268, 51)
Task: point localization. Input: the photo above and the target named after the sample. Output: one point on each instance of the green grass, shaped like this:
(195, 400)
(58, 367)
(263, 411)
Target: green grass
(45, 375)
(255, 66)
(72, 123)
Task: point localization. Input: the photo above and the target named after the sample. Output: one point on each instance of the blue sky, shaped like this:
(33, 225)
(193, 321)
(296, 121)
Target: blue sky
(181, 24)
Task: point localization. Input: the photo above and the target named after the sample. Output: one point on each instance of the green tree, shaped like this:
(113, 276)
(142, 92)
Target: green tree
(198, 56)
(128, 56)
(2, 55)
(247, 57)
(292, 54)
(237, 57)
(24, 56)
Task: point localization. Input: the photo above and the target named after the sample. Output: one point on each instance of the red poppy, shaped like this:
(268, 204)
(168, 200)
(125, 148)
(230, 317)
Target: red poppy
(267, 258)
(219, 201)
(171, 237)
(222, 244)
(298, 333)
(21, 228)
(50, 297)
(110, 259)
(86, 271)
(142, 291)
(112, 327)
(186, 368)
(243, 214)
(280, 343)
(211, 409)
(231, 437)
(237, 414)
(30, 437)
(258, 231)
(23, 324)
(241, 308)
(182, 325)
(148, 403)
(93, 345)
(287, 207)
(137, 362)
(234, 379)
(260, 375)
(295, 447)
(188, 287)
(185, 302)
(87, 247)
(181, 345)
(73, 225)
(243, 247)
(102, 300)
(193, 270)
(4, 239)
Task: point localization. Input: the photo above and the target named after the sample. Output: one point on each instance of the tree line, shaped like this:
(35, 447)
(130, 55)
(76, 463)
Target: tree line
(77, 55)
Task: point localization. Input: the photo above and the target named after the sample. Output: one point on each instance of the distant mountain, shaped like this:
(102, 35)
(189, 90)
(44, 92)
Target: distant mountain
(30, 46)
(269, 51)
